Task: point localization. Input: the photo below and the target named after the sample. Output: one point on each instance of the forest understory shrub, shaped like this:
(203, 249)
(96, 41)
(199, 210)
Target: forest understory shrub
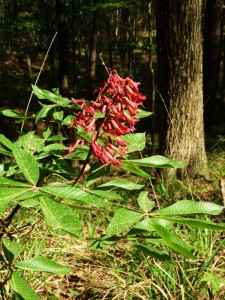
(39, 188)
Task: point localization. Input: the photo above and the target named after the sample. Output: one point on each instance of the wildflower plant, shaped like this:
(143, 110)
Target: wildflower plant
(37, 176)
(109, 117)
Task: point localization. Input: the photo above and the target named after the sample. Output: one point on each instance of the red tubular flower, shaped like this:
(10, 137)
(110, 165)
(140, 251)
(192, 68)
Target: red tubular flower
(70, 149)
(113, 99)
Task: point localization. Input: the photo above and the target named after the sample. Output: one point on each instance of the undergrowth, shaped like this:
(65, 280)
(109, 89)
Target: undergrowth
(106, 227)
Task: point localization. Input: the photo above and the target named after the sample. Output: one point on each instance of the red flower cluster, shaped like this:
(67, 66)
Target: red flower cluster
(118, 100)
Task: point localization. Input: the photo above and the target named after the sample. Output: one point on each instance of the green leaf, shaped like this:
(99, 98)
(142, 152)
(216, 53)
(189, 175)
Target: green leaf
(47, 133)
(188, 207)
(11, 249)
(99, 115)
(30, 142)
(123, 220)
(27, 164)
(30, 202)
(144, 224)
(12, 114)
(156, 161)
(5, 152)
(120, 183)
(6, 142)
(52, 149)
(60, 216)
(57, 138)
(171, 239)
(136, 141)
(8, 195)
(19, 286)
(4, 181)
(153, 252)
(44, 112)
(42, 264)
(58, 116)
(135, 170)
(68, 120)
(53, 97)
(205, 224)
(143, 114)
(145, 204)
(111, 195)
(73, 193)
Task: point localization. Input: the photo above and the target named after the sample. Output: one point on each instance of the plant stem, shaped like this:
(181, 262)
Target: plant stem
(83, 167)
(39, 74)
(8, 220)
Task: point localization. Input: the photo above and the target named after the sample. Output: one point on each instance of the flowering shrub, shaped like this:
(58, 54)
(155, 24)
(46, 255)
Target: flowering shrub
(117, 102)
(37, 177)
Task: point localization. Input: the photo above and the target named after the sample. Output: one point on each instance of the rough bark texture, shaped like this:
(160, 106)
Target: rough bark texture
(211, 58)
(181, 133)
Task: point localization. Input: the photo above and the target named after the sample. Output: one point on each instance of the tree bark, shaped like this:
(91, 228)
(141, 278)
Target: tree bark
(179, 42)
(63, 46)
(211, 58)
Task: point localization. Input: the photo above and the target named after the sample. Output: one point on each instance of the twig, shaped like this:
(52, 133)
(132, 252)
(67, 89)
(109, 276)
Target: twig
(39, 74)
(102, 60)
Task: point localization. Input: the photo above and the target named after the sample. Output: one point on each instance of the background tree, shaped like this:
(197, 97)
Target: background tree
(180, 83)
(211, 59)
(63, 45)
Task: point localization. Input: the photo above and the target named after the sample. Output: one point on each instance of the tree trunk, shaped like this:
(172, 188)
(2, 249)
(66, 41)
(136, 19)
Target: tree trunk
(179, 44)
(211, 58)
(93, 50)
(63, 46)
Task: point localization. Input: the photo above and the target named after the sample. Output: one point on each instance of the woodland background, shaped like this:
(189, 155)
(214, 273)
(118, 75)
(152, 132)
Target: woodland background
(123, 32)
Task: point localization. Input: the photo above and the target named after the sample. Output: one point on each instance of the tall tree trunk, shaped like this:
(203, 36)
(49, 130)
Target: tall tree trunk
(151, 69)
(63, 45)
(93, 50)
(211, 58)
(180, 84)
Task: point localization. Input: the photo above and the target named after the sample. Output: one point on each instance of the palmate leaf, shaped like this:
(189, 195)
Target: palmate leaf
(19, 285)
(27, 164)
(60, 216)
(76, 194)
(44, 111)
(8, 195)
(171, 239)
(123, 220)
(135, 170)
(122, 184)
(4, 181)
(53, 97)
(13, 114)
(30, 142)
(6, 142)
(156, 161)
(43, 264)
(52, 149)
(188, 207)
(199, 223)
(110, 195)
(144, 202)
(136, 141)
